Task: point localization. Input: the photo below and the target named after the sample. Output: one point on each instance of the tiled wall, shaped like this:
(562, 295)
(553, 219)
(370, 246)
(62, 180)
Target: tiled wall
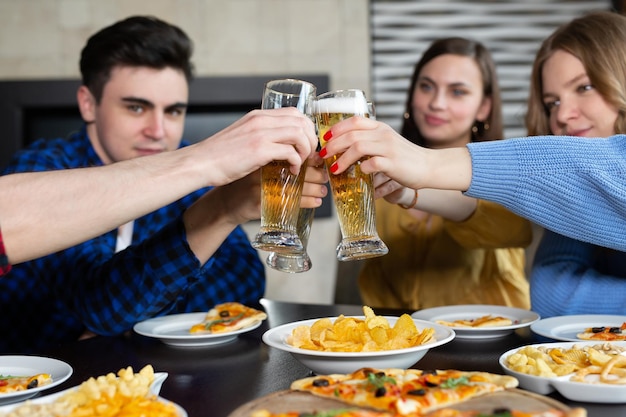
(43, 39)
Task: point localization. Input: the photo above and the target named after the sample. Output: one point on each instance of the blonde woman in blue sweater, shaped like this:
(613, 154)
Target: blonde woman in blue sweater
(572, 186)
(577, 89)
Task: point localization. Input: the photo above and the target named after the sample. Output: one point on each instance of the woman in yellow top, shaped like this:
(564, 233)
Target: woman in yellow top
(446, 248)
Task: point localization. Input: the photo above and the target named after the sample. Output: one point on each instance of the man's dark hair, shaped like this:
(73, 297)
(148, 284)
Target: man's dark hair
(138, 41)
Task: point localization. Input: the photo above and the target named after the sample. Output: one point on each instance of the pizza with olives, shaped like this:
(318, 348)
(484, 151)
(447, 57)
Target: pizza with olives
(444, 412)
(228, 317)
(10, 383)
(404, 391)
(604, 333)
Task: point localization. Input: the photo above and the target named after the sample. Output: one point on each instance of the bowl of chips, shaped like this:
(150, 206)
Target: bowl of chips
(345, 344)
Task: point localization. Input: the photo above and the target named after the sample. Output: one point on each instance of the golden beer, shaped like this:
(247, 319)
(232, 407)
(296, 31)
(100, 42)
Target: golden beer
(353, 191)
(281, 191)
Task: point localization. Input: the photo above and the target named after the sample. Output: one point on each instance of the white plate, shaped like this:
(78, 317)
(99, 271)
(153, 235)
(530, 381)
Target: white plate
(174, 330)
(520, 318)
(28, 366)
(566, 327)
(155, 388)
(345, 362)
(577, 391)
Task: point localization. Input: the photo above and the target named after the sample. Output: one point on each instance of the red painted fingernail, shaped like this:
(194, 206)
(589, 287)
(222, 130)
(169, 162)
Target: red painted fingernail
(334, 167)
(323, 152)
(328, 135)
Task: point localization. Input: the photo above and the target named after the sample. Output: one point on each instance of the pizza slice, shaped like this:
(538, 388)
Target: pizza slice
(9, 383)
(604, 333)
(444, 412)
(228, 317)
(348, 412)
(506, 412)
(404, 392)
(484, 321)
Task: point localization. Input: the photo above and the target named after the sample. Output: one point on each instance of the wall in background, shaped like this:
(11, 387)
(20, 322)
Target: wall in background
(43, 38)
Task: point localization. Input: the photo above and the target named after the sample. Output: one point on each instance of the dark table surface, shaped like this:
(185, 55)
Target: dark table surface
(213, 381)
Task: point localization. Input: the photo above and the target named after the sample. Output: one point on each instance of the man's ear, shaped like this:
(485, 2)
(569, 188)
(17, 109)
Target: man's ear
(86, 104)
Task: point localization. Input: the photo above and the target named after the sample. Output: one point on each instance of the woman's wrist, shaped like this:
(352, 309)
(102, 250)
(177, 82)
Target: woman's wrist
(412, 203)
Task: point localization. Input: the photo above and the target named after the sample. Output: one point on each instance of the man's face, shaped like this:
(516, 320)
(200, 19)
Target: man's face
(141, 112)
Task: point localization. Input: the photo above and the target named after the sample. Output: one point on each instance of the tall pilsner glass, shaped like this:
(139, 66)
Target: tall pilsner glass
(281, 190)
(353, 191)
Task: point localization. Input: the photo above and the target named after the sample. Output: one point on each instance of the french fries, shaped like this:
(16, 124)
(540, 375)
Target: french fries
(351, 334)
(125, 394)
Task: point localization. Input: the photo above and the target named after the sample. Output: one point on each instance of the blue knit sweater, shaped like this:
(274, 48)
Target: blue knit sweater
(576, 189)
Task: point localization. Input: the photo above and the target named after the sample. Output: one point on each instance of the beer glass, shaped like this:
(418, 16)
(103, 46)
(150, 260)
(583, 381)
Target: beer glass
(353, 191)
(281, 190)
(371, 110)
(297, 261)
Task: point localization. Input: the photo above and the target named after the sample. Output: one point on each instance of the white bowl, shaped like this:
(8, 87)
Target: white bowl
(323, 363)
(534, 383)
(577, 391)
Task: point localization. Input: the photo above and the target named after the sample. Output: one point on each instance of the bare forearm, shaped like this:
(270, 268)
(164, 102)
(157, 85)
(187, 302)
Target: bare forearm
(451, 205)
(207, 225)
(449, 169)
(44, 212)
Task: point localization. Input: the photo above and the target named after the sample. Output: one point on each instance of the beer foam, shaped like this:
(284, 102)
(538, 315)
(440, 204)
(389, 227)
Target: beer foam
(348, 105)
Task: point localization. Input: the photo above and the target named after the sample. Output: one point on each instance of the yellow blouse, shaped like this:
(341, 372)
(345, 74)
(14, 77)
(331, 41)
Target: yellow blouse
(435, 262)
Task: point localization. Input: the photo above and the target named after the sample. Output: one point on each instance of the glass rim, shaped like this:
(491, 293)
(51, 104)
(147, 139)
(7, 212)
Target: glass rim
(293, 81)
(343, 90)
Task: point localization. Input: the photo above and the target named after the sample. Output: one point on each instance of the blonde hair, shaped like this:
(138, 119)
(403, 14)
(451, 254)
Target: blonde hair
(598, 40)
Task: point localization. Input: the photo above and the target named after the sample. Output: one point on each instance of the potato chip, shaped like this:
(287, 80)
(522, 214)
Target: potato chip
(348, 330)
(300, 336)
(377, 321)
(368, 312)
(425, 336)
(319, 326)
(379, 335)
(598, 358)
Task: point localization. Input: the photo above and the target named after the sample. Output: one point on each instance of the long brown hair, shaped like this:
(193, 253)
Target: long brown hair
(598, 40)
(491, 89)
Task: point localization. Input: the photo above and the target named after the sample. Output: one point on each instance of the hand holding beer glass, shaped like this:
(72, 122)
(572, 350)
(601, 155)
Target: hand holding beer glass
(281, 190)
(353, 191)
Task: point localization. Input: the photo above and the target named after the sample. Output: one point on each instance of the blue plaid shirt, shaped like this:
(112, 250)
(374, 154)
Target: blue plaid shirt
(5, 267)
(54, 299)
